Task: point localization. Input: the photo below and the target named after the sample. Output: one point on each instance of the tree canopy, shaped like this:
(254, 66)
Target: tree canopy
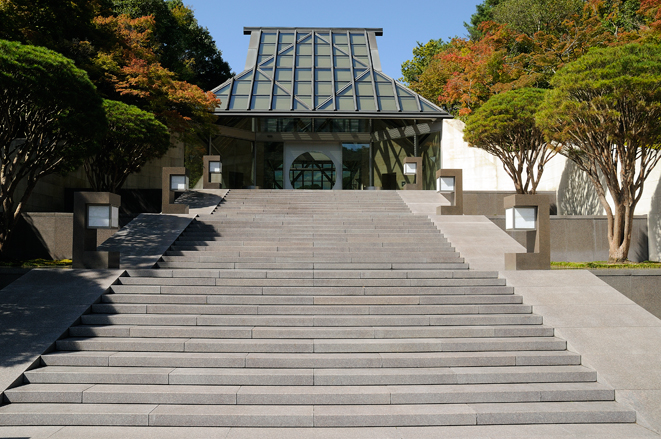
(51, 115)
(604, 112)
(505, 127)
(134, 136)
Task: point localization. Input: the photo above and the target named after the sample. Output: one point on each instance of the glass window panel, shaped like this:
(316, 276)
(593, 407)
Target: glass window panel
(323, 88)
(387, 104)
(299, 106)
(289, 51)
(261, 77)
(338, 52)
(303, 75)
(358, 39)
(364, 88)
(303, 61)
(304, 49)
(268, 70)
(226, 90)
(262, 58)
(366, 103)
(268, 37)
(303, 88)
(383, 89)
(340, 39)
(270, 61)
(348, 91)
(342, 61)
(280, 91)
(246, 76)
(241, 88)
(266, 49)
(403, 92)
(285, 61)
(343, 75)
(345, 103)
(426, 107)
(286, 85)
(339, 85)
(239, 103)
(408, 103)
(359, 50)
(322, 49)
(282, 74)
(323, 75)
(381, 78)
(281, 102)
(327, 106)
(318, 100)
(259, 103)
(262, 88)
(282, 47)
(304, 39)
(322, 61)
(322, 38)
(286, 38)
(360, 63)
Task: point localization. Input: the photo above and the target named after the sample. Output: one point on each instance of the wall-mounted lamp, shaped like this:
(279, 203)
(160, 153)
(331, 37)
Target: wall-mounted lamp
(174, 180)
(212, 173)
(449, 183)
(529, 214)
(95, 219)
(413, 166)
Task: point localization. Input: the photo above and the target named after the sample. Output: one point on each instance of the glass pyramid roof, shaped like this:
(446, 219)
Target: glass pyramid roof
(325, 72)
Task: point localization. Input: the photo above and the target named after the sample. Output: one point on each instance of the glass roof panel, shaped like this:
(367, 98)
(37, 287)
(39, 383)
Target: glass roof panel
(330, 70)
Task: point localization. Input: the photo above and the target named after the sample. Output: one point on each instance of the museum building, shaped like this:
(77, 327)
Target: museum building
(313, 110)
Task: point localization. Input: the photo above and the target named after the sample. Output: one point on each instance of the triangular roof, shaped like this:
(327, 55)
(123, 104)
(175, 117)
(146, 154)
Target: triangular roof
(318, 72)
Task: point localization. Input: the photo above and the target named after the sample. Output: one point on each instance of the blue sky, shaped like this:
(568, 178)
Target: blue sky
(404, 23)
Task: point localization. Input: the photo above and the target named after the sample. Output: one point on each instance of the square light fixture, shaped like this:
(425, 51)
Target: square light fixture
(215, 172)
(521, 218)
(445, 184)
(178, 183)
(102, 216)
(410, 168)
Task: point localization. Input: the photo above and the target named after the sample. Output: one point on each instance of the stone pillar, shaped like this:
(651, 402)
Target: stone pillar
(538, 245)
(85, 238)
(206, 175)
(457, 206)
(417, 186)
(168, 205)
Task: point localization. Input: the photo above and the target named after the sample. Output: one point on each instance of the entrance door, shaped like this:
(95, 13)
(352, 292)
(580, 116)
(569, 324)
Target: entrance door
(312, 166)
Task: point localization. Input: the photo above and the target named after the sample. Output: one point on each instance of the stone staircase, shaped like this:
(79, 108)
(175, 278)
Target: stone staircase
(311, 309)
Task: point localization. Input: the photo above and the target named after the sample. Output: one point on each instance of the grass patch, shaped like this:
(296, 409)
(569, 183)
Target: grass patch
(38, 263)
(604, 265)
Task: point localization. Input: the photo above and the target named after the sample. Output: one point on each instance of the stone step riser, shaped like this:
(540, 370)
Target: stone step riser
(307, 321)
(126, 283)
(215, 332)
(309, 345)
(317, 395)
(150, 275)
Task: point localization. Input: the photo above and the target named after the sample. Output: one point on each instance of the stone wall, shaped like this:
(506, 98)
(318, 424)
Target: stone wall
(641, 286)
(577, 238)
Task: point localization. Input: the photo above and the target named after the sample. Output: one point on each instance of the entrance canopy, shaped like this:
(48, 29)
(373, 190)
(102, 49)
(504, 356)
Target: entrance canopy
(318, 72)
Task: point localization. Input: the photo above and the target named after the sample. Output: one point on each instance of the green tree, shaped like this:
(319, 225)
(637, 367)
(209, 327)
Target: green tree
(483, 14)
(181, 44)
(531, 16)
(134, 137)
(423, 55)
(604, 113)
(505, 127)
(50, 114)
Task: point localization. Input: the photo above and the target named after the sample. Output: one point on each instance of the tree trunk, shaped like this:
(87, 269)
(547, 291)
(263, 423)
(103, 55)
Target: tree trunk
(619, 236)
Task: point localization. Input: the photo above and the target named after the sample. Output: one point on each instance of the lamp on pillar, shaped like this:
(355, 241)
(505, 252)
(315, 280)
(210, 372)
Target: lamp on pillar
(212, 174)
(95, 218)
(530, 214)
(449, 183)
(174, 180)
(413, 166)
